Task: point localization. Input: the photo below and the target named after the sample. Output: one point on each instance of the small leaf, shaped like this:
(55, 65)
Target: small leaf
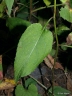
(62, 28)
(13, 22)
(34, 45)
(59, 91)
(2, 8)
(63, 1)
(47, 2)
(63, 47)
(20, 91)
(9, 4)
(66, 13)
(29, 81)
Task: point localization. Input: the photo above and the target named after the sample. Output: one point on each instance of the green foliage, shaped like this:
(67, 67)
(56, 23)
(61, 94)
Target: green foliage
(24, 1)
(63, 47)
(47, 2)
(66, 13)
(34, 45)
(30, 88)
(52, 53)
(9, 4)
(31, 91)
(70, 3)
(62, 28)
(63, 1)
(59, 91)
(30, 81)
(23, 11)
(2, 8)
(13, 22)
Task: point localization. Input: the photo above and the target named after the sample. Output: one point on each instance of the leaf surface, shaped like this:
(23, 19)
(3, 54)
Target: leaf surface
(9, 4)
(20, 91)
(13, 22)
(34, 45)
(66, 13)
(59, 91)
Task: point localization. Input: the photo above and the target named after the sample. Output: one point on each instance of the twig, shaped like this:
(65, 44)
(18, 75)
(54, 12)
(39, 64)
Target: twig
(38, 82)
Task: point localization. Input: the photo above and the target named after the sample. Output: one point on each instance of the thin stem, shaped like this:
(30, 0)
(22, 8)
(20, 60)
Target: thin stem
(56, 45)
(40, 8)
(9, 50)
(66, 45)
(23, 5)
(38, 82)
(47, 23)
(30, 9)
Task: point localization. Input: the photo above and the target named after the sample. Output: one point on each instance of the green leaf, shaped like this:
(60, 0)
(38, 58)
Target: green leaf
(62, 28)
(63, 47)
(63, 1)
(20, 91)
(59, 91)
(2, 8)
(47, 2)
(34, 45)
(52, 53)
(30, 81)
(24, 1)
(23, 13)
(70, 2)
(9, 4)
(66, 13)
(13, 22)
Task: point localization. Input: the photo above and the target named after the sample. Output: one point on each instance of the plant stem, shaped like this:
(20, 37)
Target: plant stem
(38, 82)
(47, 23)
(30, 9)
(56, 45)
(40, 8)
(23, 5)
(66, 45)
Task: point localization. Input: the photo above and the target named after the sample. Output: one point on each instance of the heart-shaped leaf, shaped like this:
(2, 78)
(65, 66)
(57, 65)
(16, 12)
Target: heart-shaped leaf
(34, 45)
(32, 91)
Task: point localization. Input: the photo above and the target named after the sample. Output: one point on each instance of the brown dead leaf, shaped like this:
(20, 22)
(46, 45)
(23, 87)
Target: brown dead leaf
(69, 39)
(46, 60)
(49, 61)
(7, 84)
